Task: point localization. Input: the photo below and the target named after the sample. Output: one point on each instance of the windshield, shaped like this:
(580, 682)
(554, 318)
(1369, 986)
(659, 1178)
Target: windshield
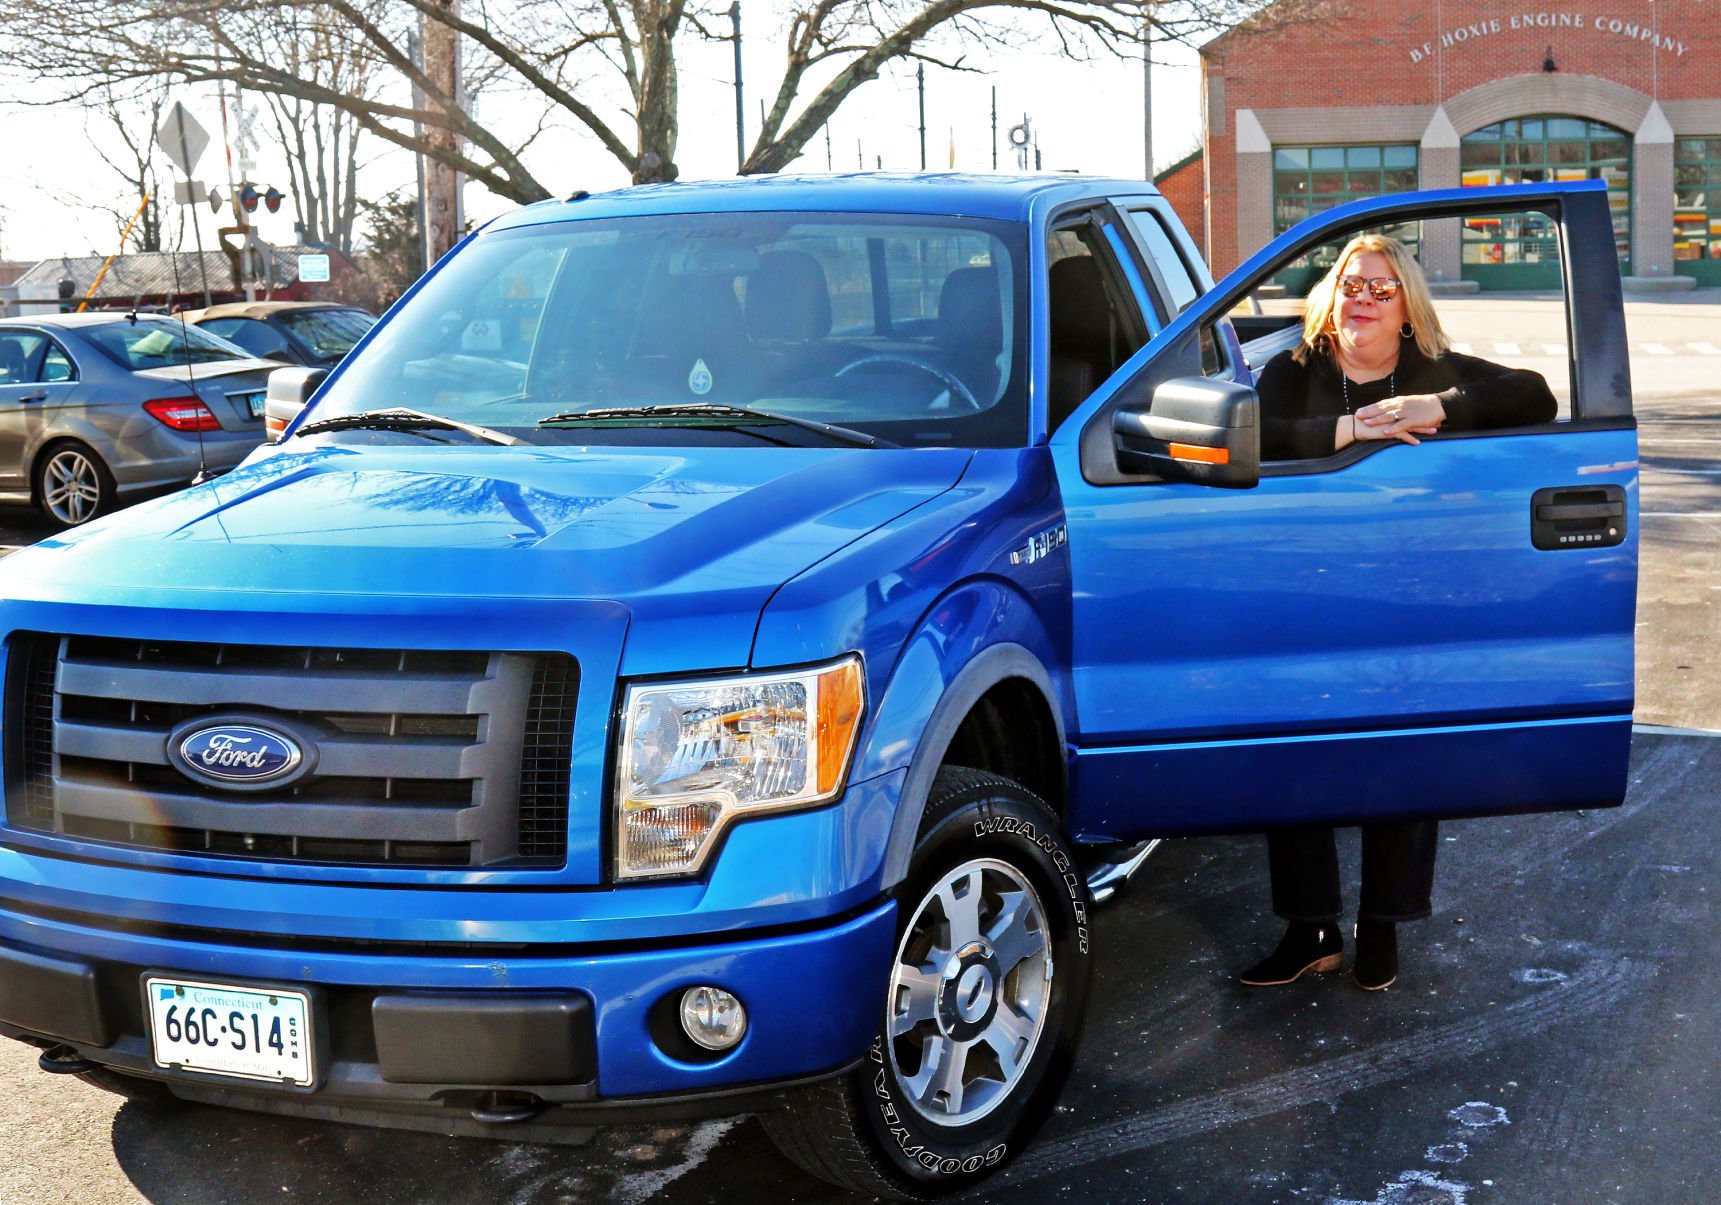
(160, 343)
(910, 329)
(329, 334)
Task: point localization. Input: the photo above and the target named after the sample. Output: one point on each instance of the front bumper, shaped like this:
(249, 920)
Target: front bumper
(554, 1039)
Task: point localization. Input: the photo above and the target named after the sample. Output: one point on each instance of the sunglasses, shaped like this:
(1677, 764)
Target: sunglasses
(1384, 288)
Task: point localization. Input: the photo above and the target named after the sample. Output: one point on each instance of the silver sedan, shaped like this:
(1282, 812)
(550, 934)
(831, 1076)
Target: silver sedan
(96, 408)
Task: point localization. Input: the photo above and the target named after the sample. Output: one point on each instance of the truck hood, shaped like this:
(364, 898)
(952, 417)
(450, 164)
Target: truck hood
(695, 538)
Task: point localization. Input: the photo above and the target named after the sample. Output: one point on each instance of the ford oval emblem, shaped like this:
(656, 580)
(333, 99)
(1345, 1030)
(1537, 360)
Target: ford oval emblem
(241, 754)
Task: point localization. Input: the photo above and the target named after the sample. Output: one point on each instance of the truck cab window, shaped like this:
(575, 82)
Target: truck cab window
(1094, 327)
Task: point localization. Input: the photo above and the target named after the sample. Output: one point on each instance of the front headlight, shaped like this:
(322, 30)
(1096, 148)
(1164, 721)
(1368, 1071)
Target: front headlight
(694, 755)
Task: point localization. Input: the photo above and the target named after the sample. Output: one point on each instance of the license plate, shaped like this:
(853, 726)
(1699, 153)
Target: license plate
(224, 1029)
(255, 401)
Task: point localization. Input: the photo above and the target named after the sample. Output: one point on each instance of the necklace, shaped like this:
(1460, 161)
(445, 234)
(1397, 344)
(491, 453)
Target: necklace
(1345, 386)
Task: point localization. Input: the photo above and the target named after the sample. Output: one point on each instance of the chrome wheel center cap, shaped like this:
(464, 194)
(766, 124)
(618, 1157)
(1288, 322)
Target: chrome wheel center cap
(974, 992)
(968, 991)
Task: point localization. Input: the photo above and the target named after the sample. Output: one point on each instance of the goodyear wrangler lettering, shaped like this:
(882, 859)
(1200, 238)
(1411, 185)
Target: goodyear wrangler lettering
(894, 1125)
(987, 825)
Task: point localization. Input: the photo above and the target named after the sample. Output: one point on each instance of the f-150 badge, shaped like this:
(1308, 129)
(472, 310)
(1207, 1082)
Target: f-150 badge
(1041, 544)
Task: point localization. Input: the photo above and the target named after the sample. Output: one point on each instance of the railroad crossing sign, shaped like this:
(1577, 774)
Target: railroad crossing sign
(245, 136)
(182, 139)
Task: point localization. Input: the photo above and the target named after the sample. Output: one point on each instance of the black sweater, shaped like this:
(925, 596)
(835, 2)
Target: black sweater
(1302, 404)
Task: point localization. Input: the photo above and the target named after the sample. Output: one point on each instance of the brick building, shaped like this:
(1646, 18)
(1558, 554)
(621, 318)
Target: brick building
(1301, 115)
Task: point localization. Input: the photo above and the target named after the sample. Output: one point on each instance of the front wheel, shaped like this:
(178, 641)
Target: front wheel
(982, 1006)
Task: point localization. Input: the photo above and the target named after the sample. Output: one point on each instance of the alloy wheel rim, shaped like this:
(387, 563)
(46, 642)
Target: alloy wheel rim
(969, 992)
(71, 488)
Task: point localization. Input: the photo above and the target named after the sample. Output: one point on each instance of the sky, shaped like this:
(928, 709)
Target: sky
(57, 196)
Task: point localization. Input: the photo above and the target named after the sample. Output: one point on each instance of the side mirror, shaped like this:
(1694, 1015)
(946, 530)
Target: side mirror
(1194, 429)
(289, 390)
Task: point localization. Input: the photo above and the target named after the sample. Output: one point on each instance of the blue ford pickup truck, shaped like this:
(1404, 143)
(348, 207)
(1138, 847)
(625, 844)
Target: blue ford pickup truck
(689, 658)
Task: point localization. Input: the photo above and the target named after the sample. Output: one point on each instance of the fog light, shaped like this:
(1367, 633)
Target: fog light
(712, 1017)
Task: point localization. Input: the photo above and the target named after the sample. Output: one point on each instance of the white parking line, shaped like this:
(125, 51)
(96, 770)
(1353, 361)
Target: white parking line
(1463, 349)
(1553, 349)
(1508, 349)
(1705, 349)
(1656, 349)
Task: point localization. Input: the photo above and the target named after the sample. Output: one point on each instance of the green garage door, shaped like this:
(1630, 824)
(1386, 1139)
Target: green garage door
(1521, 251)
(1697, 209)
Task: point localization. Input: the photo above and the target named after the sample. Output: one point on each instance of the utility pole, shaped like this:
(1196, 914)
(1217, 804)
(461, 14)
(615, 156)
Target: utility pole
(920, 82)
(443, 218)
(740, 110)
(415, 51)
(1147, 86)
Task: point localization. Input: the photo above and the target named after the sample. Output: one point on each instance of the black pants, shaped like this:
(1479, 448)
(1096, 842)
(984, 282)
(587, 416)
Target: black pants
(1397, 872)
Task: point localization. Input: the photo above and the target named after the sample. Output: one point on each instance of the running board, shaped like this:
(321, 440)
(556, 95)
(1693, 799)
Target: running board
(1109, 878)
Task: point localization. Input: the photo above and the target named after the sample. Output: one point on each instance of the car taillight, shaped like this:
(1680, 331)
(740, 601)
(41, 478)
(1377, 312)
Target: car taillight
(183, 413)
(274, 428)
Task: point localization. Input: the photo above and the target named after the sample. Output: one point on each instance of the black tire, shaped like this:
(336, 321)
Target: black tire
(886, 1129)
(72, 484)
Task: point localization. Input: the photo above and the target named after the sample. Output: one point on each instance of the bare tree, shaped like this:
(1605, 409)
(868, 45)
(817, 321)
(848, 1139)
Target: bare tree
(131, 123)
(608, 67)
(321, 141)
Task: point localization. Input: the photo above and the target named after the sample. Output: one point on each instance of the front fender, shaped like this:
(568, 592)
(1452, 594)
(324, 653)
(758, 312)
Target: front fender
(973, 639)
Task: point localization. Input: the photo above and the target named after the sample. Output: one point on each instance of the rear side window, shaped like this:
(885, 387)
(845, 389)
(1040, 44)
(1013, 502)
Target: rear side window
(56, 365)
(1175, 278)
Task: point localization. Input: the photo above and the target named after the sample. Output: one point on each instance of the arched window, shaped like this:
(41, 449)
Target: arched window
(1522, 252)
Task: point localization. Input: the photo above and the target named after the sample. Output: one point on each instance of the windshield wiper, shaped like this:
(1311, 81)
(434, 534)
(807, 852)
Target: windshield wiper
(402, 418)
(727, 416)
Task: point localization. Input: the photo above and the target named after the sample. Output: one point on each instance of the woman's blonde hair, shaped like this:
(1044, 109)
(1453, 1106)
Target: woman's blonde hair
(1318, 327)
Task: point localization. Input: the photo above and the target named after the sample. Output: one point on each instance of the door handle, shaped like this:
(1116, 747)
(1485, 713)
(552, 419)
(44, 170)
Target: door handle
(1580, 510)
(34, 397)
(1577, 516)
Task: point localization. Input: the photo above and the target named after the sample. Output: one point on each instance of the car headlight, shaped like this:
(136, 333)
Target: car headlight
(695, 755)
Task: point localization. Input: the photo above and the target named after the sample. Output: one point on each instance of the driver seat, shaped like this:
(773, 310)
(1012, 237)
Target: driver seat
(970, 329)
(788, 312)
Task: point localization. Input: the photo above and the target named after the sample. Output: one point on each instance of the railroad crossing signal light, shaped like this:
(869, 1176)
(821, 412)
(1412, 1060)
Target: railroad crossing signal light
(248, 198)
(272, 200)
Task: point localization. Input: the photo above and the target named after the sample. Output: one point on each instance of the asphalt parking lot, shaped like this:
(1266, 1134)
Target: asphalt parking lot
(1552, 1040)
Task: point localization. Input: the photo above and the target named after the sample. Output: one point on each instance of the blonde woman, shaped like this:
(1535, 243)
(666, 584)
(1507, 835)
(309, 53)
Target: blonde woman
(1373, 365)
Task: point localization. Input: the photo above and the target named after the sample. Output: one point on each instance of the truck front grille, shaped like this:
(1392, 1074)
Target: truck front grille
(424, 757)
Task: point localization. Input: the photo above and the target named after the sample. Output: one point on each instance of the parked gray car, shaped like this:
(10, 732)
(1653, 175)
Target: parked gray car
(95, 408)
